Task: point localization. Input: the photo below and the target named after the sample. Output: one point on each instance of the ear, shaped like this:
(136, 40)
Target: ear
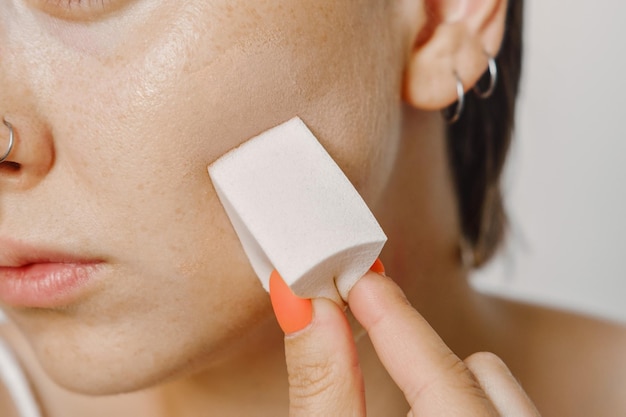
(457, 38)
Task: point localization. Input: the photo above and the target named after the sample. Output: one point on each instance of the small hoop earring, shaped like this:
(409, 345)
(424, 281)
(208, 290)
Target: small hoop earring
(11, 142)
(453, 116)
(493, 78)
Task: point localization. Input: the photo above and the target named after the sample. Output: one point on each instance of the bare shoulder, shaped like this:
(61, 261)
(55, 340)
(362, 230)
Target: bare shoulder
(570, 364)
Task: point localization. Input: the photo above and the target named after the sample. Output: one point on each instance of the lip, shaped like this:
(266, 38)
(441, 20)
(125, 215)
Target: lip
(39, 277)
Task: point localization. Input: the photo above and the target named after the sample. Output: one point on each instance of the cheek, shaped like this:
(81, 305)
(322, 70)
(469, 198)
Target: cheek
(159, 112)
(155, 119)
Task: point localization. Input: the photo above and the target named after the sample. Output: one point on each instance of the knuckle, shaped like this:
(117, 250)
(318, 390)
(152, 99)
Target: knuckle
(471, 385)
(452, 368)
(309, 380)
(455, 378)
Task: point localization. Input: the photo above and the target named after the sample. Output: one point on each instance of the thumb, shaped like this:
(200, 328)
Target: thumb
(324, 374)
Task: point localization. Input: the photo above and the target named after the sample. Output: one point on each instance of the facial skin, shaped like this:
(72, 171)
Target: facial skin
(118, 116)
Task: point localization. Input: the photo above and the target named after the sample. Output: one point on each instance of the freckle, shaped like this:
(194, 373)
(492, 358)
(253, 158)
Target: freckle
(140, 187)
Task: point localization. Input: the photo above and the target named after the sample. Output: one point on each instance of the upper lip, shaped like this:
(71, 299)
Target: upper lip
(15, 254)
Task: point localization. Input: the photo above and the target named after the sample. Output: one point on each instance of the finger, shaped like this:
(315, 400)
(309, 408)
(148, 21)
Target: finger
(434, 381)
(324, 374)
(500, 385)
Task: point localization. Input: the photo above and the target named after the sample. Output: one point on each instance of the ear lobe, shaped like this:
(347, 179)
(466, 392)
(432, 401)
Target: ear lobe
(457, 39)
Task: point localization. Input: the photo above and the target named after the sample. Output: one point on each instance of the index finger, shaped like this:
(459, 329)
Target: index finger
(433, 379)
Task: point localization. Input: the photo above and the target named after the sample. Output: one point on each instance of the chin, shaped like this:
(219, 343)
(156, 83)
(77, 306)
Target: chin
(109, 372)
(108, 360)
(104, 384)
(106, 356)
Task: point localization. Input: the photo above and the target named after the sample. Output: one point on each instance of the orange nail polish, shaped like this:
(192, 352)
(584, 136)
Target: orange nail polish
(292, 312)
(378, 267)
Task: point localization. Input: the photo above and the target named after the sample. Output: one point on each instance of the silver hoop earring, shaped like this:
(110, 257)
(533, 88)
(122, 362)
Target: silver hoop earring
(11, 142)
(453, 116)
(493, 78)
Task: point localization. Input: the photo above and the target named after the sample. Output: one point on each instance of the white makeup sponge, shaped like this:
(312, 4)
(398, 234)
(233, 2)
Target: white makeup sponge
(295, 211)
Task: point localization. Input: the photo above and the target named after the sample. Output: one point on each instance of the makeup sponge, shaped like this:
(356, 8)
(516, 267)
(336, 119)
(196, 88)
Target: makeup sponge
(295, 211)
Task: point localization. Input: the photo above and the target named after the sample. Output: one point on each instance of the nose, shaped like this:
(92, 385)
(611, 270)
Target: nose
(26, 138)
(26, 153)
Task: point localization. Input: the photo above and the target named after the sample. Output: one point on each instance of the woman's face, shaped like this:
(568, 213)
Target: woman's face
(121, 106)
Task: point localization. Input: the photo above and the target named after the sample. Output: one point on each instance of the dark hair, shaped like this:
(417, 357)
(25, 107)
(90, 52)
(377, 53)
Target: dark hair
(478, 144)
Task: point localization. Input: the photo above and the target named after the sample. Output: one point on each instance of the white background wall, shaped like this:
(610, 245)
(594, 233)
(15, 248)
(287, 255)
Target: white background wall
(566, 182)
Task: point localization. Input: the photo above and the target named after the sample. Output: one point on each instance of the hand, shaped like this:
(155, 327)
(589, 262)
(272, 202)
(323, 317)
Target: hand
(324, 373)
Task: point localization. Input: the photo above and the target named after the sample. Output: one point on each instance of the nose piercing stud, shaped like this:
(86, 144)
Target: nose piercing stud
(11, 142)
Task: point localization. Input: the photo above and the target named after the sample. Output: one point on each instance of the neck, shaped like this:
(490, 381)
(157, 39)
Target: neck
(420, 215)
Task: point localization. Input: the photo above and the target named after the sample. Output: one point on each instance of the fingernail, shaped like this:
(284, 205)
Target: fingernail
(292, 312)
(378, 267)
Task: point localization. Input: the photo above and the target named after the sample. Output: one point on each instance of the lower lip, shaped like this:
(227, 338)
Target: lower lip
(45, 285)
